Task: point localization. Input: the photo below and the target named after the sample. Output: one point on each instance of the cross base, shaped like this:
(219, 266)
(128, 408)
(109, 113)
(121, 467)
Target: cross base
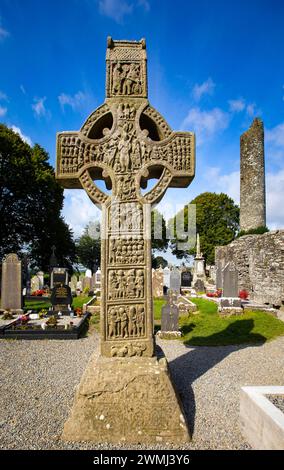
(126, 401)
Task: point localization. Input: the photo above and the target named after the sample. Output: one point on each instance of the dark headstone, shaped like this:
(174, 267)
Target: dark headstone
(61, 297)
(186, 279)
(58, 276)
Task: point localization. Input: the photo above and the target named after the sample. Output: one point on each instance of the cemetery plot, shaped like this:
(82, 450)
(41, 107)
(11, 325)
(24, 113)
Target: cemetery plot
(32, 327)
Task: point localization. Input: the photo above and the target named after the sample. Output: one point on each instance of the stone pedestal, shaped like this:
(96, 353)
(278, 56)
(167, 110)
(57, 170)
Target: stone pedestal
(126, 400)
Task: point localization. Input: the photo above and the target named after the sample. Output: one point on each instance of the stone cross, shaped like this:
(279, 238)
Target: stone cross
(126, 142)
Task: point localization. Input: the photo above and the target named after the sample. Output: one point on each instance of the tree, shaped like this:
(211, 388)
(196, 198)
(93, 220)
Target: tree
(88, 246)
(217, 222)
(30, 204)
(158, 231)
(159, 261)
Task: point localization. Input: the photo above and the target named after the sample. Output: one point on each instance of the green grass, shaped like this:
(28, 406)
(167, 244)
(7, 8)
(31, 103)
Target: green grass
(38, 305)
(158, 303)
(208, 329)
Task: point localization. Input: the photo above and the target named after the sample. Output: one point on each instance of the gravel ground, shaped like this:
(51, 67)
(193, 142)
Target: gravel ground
(277, 400)
(38, 380)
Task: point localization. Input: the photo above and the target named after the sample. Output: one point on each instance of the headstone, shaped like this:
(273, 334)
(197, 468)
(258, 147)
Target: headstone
(73, 283)
(199, 264)
(58, 276)
(169, 318)
(199, 286)
(11, 285)
(40, 276)
(88, 273)
(35, 283)
(125, 142)
(230, 281)
(157, 282)
(186, 279)
(53, 263)
(167, 274)
(175, 280)
(93, 282)
(79, 286)
(219, 276)
(86, 283)
(61, 299)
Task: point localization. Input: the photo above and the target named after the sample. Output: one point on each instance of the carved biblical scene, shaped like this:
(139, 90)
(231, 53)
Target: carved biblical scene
(127, 217)
(126, 250)
(125, 321)
(125, 284)
(126, 78)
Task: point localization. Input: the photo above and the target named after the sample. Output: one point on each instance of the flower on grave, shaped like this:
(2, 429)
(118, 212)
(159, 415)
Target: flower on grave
(243, 294)
(42, 312)
(78, 311)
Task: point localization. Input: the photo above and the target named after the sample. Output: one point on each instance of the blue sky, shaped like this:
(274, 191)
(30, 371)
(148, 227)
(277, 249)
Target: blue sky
(212, 68)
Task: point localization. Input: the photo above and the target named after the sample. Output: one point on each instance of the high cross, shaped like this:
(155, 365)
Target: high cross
(126, 142)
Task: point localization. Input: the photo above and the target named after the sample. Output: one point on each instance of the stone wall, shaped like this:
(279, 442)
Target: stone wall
(252, 194)
(260, 263)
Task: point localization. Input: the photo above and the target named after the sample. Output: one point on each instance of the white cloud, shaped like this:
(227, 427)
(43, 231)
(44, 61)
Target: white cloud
(115, 9)
(79, 210)
(205, 123)
(24, 137)
(22, 88)
(3, 111)
(237, 105)
(77, 102)
(39, 107)
(275, 136)
(274, 199)
(206, 88)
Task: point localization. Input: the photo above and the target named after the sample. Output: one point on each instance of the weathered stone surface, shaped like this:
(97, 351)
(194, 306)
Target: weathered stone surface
(260, 263)
(230, 311)
(126, 400)
(125, 142)
(230, 280)
(252, 194)
(175, 280)
(157, 282)
(11, 285)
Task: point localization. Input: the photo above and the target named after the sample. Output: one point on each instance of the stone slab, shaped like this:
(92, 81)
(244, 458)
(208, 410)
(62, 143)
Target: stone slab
(126, 400)
(262, 423)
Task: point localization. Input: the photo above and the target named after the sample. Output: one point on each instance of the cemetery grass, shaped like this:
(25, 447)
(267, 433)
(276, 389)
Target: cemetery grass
(206, 328)
(38, 305)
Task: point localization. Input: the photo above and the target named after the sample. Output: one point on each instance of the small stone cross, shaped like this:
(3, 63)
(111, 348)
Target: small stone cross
(126, 142)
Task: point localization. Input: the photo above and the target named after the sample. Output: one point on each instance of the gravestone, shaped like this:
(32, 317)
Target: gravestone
(169, 319)
(40, 276)
(58, 276)
(73, 283)
(11, 285)
(86, 283)
(230, 281)
(186, 279)
(167, 274)
(175, 280)
(35, 283)
(230, 303)
(88, 273)
(126, 142)
(61, 299)
(219, 276)
(157, 282)
(199, 285)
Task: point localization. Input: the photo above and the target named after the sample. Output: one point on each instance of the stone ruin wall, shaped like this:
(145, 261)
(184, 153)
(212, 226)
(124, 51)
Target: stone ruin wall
(260, 263)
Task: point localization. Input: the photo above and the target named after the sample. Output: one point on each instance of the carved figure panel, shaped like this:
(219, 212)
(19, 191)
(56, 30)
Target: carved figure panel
(126, 250)
(125, 321)
(125, 284)
(126, 217)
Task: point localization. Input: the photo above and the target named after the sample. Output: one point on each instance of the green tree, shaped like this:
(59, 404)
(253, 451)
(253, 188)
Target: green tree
(88, 246)
(159, 261)
(158, 231)
(30, 204)
(217, 222)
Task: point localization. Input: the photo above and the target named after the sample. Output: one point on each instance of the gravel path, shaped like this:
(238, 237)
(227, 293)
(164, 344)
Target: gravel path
(38, 380)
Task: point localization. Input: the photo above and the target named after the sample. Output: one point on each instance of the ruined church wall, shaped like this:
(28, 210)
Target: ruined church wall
(260, 263)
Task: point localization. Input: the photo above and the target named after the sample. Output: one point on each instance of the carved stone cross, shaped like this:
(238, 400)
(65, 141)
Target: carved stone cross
(125, 142)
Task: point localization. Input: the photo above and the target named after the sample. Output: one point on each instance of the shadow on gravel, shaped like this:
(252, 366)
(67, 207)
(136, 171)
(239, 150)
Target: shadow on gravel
(187, 368)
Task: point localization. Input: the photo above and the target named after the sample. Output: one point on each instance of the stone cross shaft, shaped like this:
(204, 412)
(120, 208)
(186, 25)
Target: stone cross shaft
(126, 142)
